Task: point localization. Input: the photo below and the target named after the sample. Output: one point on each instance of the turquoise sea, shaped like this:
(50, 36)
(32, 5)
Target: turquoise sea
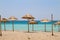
(22, 26)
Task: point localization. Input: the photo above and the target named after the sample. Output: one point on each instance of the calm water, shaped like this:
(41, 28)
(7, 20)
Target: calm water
(22, 26)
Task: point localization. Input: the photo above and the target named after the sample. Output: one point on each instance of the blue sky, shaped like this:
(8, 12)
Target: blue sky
(38, 8)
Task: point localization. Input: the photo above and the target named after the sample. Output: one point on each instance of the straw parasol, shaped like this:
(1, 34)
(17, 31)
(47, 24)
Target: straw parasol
(0, 27)
(58, 23)
(32, 22)
(13, 19)
(45, 21)
(4, 20)
(28, 16)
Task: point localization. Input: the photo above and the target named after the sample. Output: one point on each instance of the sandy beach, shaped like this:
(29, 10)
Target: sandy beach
(17, 35)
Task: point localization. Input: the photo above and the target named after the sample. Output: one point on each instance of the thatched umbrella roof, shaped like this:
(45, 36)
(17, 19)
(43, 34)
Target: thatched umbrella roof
(13, 18)
(4, 20)
(33, 22)
(28, 16)
(57, 23)
(44, 20)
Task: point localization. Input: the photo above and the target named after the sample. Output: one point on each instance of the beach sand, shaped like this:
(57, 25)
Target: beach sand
(18, 35)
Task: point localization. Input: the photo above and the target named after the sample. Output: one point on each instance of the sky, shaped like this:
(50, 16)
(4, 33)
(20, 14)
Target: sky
(40, 9)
